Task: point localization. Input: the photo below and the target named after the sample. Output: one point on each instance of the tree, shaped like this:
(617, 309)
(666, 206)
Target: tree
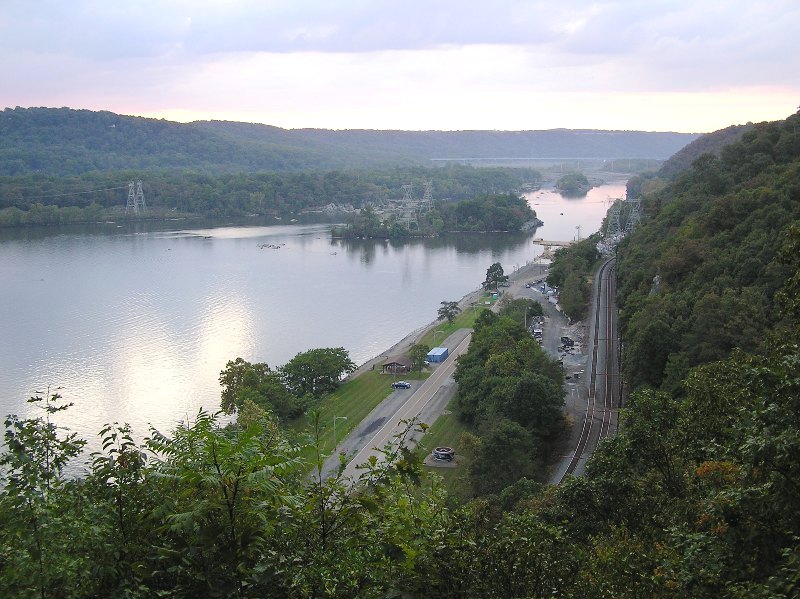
(448, 311)
(573, 296)
(317, 371)
(503, 457)
(573, 183)
(242, 381)
(227, 488)
(532, 400)
(494, 276)
(30, 480)
(418, 353)
(521, 309)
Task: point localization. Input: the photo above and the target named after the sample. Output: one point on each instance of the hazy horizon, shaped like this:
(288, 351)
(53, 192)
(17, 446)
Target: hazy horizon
(517, 65)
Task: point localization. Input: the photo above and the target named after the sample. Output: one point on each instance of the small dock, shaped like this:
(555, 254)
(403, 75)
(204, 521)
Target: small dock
(550, 247)
(555, 244)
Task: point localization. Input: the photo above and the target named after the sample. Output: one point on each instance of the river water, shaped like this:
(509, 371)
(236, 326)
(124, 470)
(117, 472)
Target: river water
(135, 324)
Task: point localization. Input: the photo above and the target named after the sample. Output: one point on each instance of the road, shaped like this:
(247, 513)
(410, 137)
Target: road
(601, 399)
(414, 406)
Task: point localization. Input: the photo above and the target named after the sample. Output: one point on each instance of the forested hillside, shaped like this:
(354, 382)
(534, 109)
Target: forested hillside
(711, 143)
(61, 141)
(700, 277)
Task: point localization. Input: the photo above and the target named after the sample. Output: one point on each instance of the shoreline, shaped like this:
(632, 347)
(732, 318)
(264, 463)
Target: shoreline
(361, 434)
(466, 301)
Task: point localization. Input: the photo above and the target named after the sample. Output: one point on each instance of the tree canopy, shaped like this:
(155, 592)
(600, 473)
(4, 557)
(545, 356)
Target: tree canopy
(448, 311)
(505, 375)
(242, 381)
(65, 142)
(287, 391)
(494, 276)
(573, 184)
(485, 213)
(316, 372)
(700, 276)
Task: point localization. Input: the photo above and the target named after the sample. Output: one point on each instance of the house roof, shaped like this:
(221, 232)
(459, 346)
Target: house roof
(401, 360)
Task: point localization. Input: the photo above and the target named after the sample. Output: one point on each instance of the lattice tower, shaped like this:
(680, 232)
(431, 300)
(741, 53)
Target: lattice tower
(614, 227)
(131, 205)
(408, 193)
(427, 196)
(634, 215)
(135, 198)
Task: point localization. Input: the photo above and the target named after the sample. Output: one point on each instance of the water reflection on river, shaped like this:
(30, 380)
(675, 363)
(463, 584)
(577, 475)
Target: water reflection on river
(135, 324)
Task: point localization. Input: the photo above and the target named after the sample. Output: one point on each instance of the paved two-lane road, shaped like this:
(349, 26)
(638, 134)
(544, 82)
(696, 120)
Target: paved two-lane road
(412, 408)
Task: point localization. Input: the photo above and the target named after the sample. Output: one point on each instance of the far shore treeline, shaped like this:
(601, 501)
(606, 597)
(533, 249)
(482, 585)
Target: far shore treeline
(59, 165)
(49, 199)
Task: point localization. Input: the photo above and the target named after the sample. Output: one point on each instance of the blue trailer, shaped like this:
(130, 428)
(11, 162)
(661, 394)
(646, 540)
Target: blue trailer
(437, 354)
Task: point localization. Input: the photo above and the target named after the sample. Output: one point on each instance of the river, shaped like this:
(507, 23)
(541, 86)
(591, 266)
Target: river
(134, 324)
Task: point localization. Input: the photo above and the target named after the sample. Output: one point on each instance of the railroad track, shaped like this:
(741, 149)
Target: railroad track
(597, 419)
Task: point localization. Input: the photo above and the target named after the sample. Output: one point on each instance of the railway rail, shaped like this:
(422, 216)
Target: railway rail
(602, 399)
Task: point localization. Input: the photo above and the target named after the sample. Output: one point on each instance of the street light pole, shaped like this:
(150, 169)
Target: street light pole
(335, 441)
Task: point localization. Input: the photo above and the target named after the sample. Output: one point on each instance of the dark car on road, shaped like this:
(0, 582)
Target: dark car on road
(401, 385)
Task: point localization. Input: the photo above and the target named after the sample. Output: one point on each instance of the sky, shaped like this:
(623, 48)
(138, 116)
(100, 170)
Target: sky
(654, 65)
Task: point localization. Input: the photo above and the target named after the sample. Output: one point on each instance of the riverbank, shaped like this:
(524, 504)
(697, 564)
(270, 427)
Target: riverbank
(362, 433)
(530, 270)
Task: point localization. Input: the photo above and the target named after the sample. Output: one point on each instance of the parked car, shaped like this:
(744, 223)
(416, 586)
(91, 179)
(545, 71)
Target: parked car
(401, 385)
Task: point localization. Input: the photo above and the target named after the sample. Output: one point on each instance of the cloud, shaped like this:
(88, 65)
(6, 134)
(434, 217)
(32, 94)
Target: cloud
(367, 59)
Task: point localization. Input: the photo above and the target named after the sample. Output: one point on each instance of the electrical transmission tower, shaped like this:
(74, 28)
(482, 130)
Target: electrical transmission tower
(427, 197)
(408, 193)
(135, 198)
(614, 227)
(634, 215)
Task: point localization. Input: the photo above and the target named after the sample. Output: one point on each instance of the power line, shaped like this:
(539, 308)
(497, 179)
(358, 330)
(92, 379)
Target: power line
(74, 193)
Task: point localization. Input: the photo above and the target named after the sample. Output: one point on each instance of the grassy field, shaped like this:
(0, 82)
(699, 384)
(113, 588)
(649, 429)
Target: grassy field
(356, 398)
(446, 431)
(441, 331)
(350, 404)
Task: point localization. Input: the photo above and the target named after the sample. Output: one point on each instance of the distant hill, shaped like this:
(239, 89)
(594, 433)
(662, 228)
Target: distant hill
(63, 141)
(710, 143)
